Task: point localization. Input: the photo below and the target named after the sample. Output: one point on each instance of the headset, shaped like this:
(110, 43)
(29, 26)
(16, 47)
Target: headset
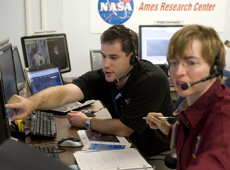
(217, 67)
(133, 59)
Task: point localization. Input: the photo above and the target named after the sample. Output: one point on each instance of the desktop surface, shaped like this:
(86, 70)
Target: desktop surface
(64, 129)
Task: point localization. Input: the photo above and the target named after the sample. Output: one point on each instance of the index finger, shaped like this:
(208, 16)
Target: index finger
(14, 106)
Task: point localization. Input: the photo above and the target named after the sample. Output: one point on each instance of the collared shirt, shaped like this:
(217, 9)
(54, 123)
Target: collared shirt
(146, 90)
(203, 136)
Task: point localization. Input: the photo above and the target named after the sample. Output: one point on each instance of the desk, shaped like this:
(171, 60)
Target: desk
(64, 129)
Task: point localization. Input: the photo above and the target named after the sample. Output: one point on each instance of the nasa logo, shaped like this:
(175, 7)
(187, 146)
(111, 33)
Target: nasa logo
(115, 11)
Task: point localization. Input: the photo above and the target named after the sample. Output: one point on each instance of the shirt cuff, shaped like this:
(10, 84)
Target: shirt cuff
(170, 132)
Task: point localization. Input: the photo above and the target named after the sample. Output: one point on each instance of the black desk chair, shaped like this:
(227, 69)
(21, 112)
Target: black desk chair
(171, 160)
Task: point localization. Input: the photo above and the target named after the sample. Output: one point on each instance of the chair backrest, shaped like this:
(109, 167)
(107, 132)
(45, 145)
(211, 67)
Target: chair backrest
(227, 74)
(227, 83)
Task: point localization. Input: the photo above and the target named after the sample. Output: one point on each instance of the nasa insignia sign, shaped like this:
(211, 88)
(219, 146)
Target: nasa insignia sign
(115, 11)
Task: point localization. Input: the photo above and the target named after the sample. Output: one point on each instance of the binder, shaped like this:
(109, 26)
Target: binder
(93, 140)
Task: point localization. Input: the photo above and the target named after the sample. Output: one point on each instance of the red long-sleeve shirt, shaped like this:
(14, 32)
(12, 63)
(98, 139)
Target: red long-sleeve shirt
(203, 136)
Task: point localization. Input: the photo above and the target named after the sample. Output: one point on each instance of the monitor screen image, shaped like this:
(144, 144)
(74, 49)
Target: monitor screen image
(45, 49)
(154, 40)
(95, 59)
(8, 73)
(19, 69)
(43, 78)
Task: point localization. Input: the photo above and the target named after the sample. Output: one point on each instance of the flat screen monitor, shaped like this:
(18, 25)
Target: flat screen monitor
(95, 59)
(8, 73)
(154, 40)
(21, 81)
(45, 49)
(4, 124)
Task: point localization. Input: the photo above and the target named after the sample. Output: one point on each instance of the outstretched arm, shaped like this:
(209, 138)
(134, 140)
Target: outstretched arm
(44, 100)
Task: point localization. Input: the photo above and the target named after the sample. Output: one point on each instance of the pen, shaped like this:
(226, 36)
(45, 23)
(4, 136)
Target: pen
(162, 117)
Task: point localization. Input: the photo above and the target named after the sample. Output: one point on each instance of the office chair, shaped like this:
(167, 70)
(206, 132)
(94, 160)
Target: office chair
(171, 159)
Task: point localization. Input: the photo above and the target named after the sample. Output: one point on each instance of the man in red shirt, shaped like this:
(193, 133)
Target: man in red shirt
(201, 135)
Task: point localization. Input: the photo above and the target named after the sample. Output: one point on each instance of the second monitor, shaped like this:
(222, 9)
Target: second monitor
(95, 59)
(154, 40)
(45, 49)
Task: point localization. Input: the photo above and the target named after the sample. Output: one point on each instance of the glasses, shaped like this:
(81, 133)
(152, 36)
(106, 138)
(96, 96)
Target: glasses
(189, 64)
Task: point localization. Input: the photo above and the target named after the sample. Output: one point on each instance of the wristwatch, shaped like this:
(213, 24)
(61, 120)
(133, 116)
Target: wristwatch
(87, 123)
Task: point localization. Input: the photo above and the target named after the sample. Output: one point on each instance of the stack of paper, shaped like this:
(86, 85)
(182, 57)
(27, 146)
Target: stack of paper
(93, 140)
(125, 159)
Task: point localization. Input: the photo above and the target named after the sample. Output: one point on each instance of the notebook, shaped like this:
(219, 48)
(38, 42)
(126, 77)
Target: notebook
(42, 77)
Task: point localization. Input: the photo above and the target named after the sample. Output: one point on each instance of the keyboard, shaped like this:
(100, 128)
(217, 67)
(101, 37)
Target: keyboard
(42, 124)
(50, 151)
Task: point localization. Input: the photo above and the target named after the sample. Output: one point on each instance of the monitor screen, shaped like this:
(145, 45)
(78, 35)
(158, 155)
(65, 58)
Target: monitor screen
(40, 78)
(45, 49)
(8, 73)
(4, 125)
(19, 69)
(154, 40)
(95, 59)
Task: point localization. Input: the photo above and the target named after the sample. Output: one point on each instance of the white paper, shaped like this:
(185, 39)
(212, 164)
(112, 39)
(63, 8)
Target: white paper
(111, 159)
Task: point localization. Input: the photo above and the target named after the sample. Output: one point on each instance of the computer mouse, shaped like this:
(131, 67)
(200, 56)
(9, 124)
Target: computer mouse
(89, 112)
(70, 142)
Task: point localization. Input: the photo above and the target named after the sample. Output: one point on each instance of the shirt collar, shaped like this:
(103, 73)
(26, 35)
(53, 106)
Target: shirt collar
(194, 113)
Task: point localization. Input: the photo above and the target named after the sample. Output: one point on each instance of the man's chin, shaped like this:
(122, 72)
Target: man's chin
(110, 80)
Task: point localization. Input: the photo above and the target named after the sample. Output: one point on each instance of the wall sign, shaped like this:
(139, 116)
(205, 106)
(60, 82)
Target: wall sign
(132, 13)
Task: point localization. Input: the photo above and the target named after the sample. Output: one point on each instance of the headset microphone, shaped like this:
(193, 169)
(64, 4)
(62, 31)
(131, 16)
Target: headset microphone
(185, 86)
(119, 79)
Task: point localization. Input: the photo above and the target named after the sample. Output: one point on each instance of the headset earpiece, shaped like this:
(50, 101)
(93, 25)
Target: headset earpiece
(217, 67)
(133, 58)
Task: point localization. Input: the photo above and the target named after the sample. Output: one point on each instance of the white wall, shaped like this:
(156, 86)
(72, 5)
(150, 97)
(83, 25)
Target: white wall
(68, 16)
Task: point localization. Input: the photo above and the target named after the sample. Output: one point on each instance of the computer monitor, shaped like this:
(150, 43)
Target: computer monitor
(154, 40)
(45, 49)
(8, 73)
(21, 81)
(95, 59)
(4, 125)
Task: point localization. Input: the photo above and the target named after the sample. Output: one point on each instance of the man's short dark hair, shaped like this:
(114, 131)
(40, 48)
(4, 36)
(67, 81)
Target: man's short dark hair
(127, 37)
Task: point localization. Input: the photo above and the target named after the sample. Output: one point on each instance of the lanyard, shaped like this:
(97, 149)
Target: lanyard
(114, 101)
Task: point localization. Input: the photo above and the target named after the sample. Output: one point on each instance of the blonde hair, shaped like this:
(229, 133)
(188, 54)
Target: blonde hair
(211, 43)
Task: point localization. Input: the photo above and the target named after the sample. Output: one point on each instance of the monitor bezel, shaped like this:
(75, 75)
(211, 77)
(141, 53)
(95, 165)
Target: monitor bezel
(22, 85)
(148, 26)
(45, 36)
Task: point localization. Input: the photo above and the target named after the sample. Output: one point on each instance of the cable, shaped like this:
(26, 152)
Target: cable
(99, 109)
